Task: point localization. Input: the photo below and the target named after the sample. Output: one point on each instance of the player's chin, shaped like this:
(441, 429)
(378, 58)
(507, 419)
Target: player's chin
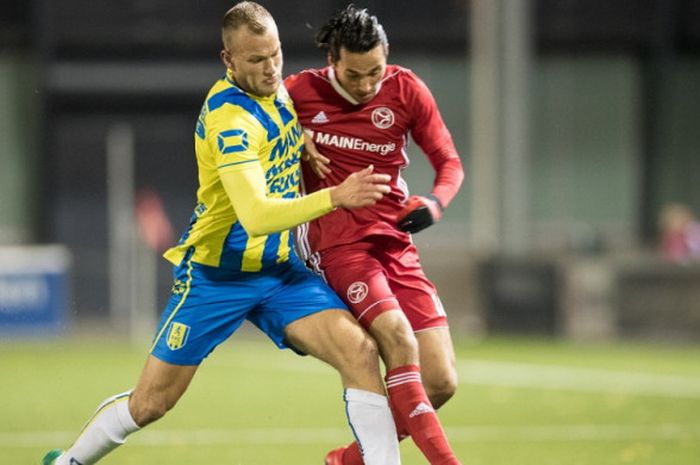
(365, 98)
(269, 87)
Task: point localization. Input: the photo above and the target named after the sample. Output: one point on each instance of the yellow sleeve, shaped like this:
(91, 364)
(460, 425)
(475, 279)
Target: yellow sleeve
(259, 214)
(234, 138)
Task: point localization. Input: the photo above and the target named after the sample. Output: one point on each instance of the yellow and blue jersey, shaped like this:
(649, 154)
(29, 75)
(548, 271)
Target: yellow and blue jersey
(235, 128)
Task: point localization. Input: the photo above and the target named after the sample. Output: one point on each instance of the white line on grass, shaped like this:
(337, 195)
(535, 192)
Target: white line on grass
(576, 379)
(531, 375)
(523, 433)
(549, 433)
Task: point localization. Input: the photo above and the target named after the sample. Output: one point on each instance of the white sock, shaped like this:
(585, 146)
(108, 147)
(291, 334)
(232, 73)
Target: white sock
(370, 418)
(105, 431)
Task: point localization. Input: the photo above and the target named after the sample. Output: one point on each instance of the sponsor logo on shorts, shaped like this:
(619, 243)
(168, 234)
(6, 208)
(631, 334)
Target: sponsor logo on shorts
(177, 336)
(357, 292)
(383, 117)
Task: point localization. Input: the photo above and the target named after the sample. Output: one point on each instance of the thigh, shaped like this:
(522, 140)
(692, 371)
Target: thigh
(297, 293)
(334, 337)
(360, 280)
(324, 334)
(415, 293)
(205, 307)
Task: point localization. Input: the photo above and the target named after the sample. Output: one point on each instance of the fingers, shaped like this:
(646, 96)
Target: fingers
(378, 181)
(318, 165)
(379, 178)
(367, 194)
(362, 188)
(375, 182)
(383, 188)
(369, 175)
(375, 177)
(370, 199)
(320, 158)
(313, 154)
(320, 169)
(317, 162)
(375, 192)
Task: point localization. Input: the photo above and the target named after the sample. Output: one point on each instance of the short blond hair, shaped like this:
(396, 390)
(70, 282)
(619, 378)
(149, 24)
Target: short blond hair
(250, 14)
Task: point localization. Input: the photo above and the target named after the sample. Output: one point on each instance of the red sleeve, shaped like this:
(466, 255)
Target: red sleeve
(432, 136)
(448, 179)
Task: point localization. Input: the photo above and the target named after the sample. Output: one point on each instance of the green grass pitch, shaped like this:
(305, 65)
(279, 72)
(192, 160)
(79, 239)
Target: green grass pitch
(520, 401)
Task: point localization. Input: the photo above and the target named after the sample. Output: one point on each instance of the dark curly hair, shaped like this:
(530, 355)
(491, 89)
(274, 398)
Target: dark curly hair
(353, 29)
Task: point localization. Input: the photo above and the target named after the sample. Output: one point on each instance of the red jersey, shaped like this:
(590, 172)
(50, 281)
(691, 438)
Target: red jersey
(354, 136)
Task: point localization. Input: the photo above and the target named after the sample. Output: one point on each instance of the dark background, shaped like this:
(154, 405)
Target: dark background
(150, 62)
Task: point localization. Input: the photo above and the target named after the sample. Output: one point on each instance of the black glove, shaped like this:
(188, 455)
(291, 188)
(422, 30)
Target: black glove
(419, 213)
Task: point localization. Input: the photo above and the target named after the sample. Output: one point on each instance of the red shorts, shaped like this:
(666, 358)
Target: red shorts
(378, 275)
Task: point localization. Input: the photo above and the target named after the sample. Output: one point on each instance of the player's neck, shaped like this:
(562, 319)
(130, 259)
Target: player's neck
(339, 87)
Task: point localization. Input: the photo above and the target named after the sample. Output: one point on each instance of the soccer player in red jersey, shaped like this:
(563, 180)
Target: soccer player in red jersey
(236, 262)
(360, 110)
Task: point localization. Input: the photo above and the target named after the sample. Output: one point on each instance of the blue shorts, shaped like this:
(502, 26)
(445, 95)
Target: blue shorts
(208, 304)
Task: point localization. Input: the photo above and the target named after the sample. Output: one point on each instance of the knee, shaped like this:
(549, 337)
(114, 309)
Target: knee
(146, 409)
(441, 389)
(397, 342)
(361, 352)
(403, 339)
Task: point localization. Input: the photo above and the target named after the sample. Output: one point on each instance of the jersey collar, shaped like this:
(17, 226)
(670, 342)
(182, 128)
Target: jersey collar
(342, 92)
(277, 96)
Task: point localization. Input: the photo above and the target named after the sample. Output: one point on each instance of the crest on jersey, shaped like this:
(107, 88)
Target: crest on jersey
(357, 292)
(383, 117)
(232, 140)
(177, 336)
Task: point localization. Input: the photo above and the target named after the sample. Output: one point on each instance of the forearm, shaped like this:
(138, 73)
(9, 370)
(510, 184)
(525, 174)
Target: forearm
(268, 215)
(448, 179)
(259, 214)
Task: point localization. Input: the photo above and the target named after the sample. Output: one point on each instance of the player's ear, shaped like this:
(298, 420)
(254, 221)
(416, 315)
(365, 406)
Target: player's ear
(226, 58)
(329, 59)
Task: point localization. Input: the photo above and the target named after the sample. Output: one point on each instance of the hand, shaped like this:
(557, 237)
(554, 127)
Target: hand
(361, 189)
(317, 162)
(419, 213)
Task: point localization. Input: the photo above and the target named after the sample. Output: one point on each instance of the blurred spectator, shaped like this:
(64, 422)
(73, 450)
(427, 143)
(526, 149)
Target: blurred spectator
(680, 233)
(153, 223)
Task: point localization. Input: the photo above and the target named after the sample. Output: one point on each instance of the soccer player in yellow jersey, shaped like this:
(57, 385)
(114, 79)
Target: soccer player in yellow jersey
(235, 261)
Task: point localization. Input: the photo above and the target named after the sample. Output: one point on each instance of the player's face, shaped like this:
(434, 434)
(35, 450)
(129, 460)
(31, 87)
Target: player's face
(361, 73)
(255, 60)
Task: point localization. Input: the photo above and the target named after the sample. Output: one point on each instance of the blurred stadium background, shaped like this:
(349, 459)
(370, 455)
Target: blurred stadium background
(561, 260)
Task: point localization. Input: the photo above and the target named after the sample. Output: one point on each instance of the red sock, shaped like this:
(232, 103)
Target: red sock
(413, 410)
(405, 391)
